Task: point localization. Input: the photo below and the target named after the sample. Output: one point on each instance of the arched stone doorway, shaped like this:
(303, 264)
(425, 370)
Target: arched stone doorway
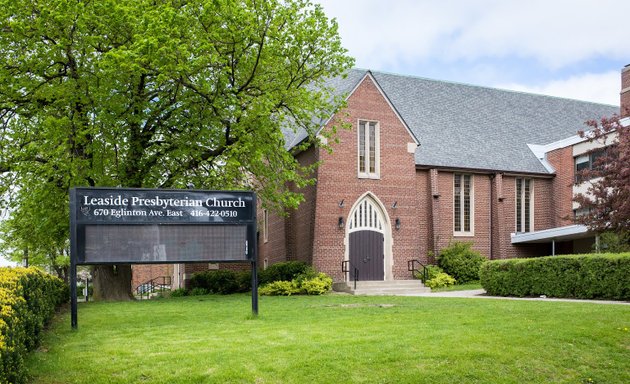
(368, 239)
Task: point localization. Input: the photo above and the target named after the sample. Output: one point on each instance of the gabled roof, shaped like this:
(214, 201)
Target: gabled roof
(472, 127)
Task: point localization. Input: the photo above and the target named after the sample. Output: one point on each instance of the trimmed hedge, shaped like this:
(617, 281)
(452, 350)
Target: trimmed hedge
(28, 299)
(601, 276)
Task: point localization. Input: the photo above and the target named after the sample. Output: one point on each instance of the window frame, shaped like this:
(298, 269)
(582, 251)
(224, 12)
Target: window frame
(523, 217)
(265, 226)
(459, 199)
(368, 168)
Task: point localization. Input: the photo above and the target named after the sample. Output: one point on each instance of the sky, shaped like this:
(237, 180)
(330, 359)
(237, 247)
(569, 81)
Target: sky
(565, 48)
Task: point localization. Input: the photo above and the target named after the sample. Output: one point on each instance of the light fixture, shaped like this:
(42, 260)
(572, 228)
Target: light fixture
(340, 222)
(341, 203)
(397, 224)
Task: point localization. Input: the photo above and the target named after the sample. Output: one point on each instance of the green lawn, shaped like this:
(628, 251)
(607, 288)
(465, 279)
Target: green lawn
(337, 339)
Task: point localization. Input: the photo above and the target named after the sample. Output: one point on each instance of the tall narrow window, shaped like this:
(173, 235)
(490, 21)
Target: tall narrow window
(524, 205)
(265, 225)
(462, 204)
(368, 149)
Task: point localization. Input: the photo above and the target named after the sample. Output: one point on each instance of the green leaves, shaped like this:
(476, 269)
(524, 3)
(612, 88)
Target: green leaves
(162, 93)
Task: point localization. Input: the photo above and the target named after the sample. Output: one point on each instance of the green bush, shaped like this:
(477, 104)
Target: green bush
(461, 261)
(598, 276)
(222, 281)
(279, 288)
(432, 272)
(28, 300)
(440, 280)
(179, 292)
(307, 283)
(198, 292)
(285, 271)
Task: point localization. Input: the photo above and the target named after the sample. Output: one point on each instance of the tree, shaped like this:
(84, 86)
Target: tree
(607, 201)
(158, 94)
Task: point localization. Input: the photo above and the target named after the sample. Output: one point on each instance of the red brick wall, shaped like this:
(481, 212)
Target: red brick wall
(141, 273)
(562, 186)
(300, 223)
(338, 181)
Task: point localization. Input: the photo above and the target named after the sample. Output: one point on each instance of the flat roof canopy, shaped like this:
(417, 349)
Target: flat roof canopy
(570, 232)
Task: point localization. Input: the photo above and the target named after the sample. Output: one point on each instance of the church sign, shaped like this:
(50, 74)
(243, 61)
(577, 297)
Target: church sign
(151, 226)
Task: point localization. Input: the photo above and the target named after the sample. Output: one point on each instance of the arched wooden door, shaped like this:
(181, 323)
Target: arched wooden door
(366, 229)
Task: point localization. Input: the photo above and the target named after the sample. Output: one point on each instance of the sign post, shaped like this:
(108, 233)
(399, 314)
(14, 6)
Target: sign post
(157, 226)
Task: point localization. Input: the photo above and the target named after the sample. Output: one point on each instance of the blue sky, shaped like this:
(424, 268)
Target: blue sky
(573, 49)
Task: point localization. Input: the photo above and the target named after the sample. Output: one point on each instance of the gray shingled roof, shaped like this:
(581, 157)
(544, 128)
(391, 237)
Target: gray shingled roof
(473, 127)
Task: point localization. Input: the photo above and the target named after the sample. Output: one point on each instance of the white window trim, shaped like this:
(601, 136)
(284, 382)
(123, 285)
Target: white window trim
(377, 155)
(531, 205)
(472, 207)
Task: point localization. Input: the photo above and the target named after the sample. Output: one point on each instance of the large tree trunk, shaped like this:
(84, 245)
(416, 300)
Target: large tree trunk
(112, 282)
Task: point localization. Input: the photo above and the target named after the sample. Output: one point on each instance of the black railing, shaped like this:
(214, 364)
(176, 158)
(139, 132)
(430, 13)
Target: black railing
(345, 268)
(411, 267)
(155, 285)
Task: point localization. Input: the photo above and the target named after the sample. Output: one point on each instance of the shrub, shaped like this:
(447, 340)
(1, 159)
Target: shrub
(432, 272)
(441, 280)
(318, 285)
(179, 292)
(28, 299)
(279, 288)
(198, 292)
(285, 271)
(461, 262)
(307, 283)
(601, 276)
(222, 281)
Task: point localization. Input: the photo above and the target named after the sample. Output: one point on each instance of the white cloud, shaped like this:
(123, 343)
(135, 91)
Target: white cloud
(555, 33)
(592, 87)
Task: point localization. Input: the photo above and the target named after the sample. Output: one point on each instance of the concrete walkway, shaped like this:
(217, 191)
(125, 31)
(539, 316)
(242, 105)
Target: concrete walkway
(481, 294)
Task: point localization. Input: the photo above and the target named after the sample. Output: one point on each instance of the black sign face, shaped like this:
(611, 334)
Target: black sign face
(126, 226)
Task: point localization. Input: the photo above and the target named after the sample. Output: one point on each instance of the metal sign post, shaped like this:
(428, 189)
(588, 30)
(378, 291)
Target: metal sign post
(158, 226)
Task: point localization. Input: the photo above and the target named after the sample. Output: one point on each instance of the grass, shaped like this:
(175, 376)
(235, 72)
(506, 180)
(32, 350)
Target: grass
(460, 287)
(337, 339)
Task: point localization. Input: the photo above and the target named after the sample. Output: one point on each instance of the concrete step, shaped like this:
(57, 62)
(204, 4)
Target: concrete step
(395, 287)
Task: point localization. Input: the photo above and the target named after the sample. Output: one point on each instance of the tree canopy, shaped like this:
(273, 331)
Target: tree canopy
(156, 94)
(606, 204)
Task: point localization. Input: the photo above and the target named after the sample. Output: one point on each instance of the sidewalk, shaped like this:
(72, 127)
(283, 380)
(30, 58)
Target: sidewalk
(481, 294)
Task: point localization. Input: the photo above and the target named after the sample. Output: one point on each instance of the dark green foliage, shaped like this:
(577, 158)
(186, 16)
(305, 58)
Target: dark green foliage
(222, 281)
(285, 271)
(461, 262)
(599, 276)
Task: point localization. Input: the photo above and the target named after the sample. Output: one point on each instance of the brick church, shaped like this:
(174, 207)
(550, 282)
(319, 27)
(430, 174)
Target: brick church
(427, 163)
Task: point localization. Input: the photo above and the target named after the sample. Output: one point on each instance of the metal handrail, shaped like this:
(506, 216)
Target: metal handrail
(162, 283)
(411, 266)
(344, 268)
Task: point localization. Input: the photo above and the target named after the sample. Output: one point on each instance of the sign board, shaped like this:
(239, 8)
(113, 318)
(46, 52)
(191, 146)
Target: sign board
(144, 226)
(130, 226)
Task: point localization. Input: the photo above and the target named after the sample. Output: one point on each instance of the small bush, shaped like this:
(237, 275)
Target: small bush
(285, 271)
(461, 261)
(441, 280)
(222, 281)
(318, 285)
(307, 283)
(432, 272)
(600, 276)
(279, 288)
(179, 292)
(198, 292)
